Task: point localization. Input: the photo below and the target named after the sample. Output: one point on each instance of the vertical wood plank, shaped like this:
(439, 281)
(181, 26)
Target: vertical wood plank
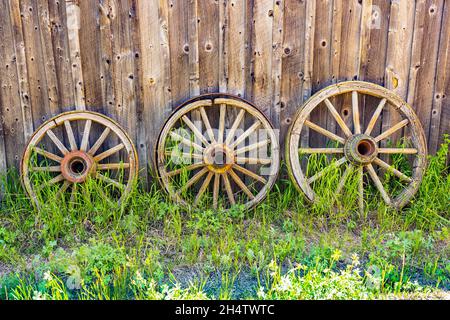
(423, 60)
(277, 56)
(440, 113)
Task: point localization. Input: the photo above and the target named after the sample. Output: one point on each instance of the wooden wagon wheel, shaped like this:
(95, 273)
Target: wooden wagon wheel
(357, 149)
(69, 157)
(217, 142)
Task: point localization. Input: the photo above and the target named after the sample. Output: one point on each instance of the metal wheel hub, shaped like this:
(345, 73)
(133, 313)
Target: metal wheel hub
(76, 166)
(218, 158)
(360, 149)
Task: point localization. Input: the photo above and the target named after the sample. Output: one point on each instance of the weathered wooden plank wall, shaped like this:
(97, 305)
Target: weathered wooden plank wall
(136, 60)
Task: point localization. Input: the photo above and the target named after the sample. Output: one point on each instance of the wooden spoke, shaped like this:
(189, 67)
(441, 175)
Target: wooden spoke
(192, 180)
(112, 166)
(391, 130)
(110, 181)
(323, 131)
(252, 147)
(63, 188)
(186, 142)
(57, 142)
(241, 184)
(205, 119)
(247, 133)
(99, 141)
(203, 188)
(321, 150)
(86, 132)
(397, 150)
(387, 167)
(71, 136)
(378, 183)
(355, 109)
(73, 192)
(334, 164)
(186, 168)
(195, 130)
(228, 188)
(223, 108)
(185, 155)
(109, 152)
(250, 173)
(341, 183)
(48, 155)
(338, 118)
(375, 116)
(50, 182)
(216, 190)
(47, 169)
(234, 127)
(242, 160)
(361, 189)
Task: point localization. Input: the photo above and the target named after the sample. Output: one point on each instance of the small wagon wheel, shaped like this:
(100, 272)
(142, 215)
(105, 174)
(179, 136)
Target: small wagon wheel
(217, 143)
(76, 146)
(357, 148)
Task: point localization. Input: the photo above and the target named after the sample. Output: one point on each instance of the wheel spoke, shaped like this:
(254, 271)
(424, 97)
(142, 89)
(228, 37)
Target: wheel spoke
(185, 155)
(343, 179)
(248, 132)
(241, 184)
(338, 118)
(195, 130)
(47, 169)
(86, 132)
(397, 150)
(186, 142)
(110, 181)
(323, 131)
(375, 116)
(216, 190)
(378, 183)
(50, 182)
(361, 190)
(48, 155)
(209, 130)
(321, 150)
(387, 167)
(242, 160)
(57, 142)
(228, 188)
(203, 188)
(63, 188)
(223, 109)
(252, 147)
(112, 166)
(335, 164)
(391, 130)
(73, 192)
(109, 152)
(99, 141)
(250, 173)
(234, 127)
(70, 135)
(192, 180)
(355, 107)
(184, 169)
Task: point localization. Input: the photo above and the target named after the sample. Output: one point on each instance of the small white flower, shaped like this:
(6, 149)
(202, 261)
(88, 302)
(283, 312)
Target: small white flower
(37, 295)
(261, 294)
(48, 276)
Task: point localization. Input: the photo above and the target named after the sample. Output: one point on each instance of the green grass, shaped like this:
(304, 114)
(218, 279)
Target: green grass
(285, 248)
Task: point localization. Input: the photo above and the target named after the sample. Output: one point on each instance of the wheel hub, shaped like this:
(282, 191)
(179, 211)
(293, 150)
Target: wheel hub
(76, 166)
(360, 149)
(218, 158)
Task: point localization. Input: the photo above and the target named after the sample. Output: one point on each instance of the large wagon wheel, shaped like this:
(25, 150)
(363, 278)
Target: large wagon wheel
(61, 157)
(217, 143)
(357, 149)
